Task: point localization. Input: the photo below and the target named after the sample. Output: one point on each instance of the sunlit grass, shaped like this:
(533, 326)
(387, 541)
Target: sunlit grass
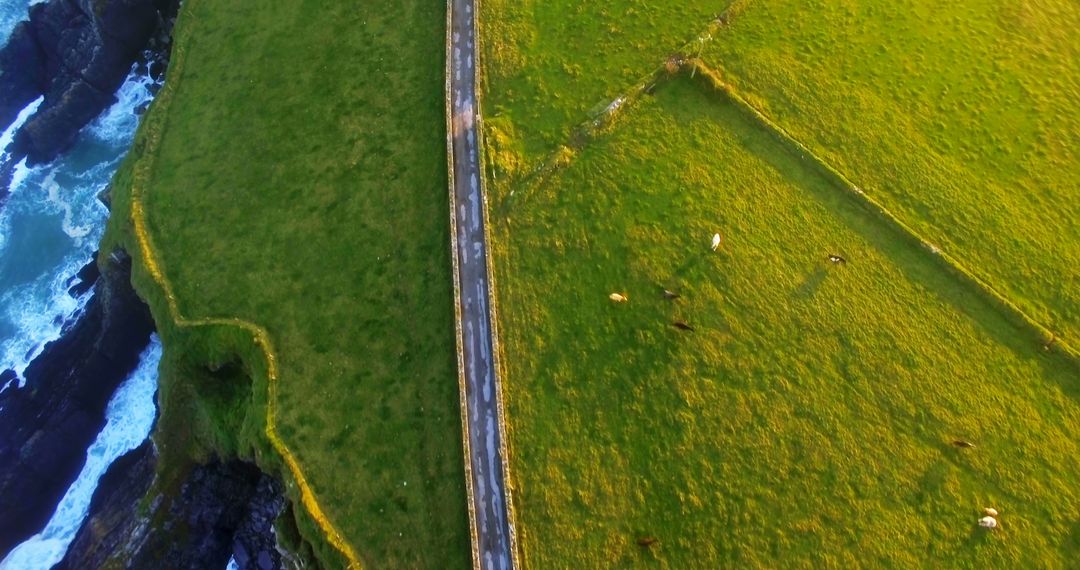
(963, 118)
(550, 65)
(807, 421)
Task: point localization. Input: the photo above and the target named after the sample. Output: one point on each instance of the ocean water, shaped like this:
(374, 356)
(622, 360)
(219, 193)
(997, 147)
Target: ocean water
(130, 415)
(51, 225)
(11, 13)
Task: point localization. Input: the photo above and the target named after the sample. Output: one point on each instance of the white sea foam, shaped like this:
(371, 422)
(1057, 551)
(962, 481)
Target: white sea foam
(19, 174)
(50, 225)
(120, 120)
(11, 13)
(22, 117)
(57, 199)
(21, 170)
(130, 415)
(39, 320)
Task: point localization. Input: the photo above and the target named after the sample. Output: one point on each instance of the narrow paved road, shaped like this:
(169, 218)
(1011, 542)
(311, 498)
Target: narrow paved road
(492, 535)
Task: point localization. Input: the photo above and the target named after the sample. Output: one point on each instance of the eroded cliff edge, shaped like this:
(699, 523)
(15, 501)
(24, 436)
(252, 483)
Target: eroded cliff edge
(189, 506)
(47, 425)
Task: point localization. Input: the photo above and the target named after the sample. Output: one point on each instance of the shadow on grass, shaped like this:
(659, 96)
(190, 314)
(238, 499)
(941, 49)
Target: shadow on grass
(689, 265)
(1073, 542)
(916, 263)
(810, 284)
(684, 280)
(977, 536)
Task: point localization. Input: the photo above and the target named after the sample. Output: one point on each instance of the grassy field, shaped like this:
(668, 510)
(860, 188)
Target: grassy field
(551, 65)
(963, 118)
(299, 184)
(807, 421)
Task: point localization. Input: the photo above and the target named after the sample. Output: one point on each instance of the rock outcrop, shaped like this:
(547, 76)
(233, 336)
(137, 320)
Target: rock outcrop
(113, 526)
(76, 53)
(255, 545)
(82, 281)
(222, 509)
(47, 425)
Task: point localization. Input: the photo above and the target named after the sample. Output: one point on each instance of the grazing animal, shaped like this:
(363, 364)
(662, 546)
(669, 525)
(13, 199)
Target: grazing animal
(836, 258)
(988, 522)
(990, 512)
(962, 443)
(682, 326)
(671, 295)
(715, 241)
(618, 298)
(647, 541)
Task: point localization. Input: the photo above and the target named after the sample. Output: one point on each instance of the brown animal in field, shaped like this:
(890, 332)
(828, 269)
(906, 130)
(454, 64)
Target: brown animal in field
(682, 326)
(671, 295)
(647, 541)
(962, 443)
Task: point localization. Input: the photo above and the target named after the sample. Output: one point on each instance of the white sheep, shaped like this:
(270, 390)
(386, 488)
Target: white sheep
(618, 298)
(988, 522)
(715, 241)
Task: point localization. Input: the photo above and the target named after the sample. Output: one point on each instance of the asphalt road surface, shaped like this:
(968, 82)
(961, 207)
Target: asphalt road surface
(492, 535)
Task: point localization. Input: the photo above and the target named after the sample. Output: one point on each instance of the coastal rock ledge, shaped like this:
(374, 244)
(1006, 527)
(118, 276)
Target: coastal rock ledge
(75, 53)
(48, 424)
(222, 509)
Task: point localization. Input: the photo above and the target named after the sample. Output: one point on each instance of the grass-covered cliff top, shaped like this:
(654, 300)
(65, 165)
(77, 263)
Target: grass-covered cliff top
(292, 183)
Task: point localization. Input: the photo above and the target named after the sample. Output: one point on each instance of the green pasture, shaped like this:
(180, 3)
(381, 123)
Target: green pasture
(300, 184)
(963, 118)
(549, 66)
(807, 420)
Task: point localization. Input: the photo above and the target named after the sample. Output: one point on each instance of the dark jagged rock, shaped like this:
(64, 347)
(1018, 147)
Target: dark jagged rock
(48, 424)
(203, 519)
(82, 281)
(110, 527)
(255, 546)
(76, 53)
(222, 508)
(7, 380)
(19, 88)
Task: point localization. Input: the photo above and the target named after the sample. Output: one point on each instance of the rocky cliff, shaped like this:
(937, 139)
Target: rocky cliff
(75, 53)
(222, 509)
(195, 516)
(147, 512)
(47, 425)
